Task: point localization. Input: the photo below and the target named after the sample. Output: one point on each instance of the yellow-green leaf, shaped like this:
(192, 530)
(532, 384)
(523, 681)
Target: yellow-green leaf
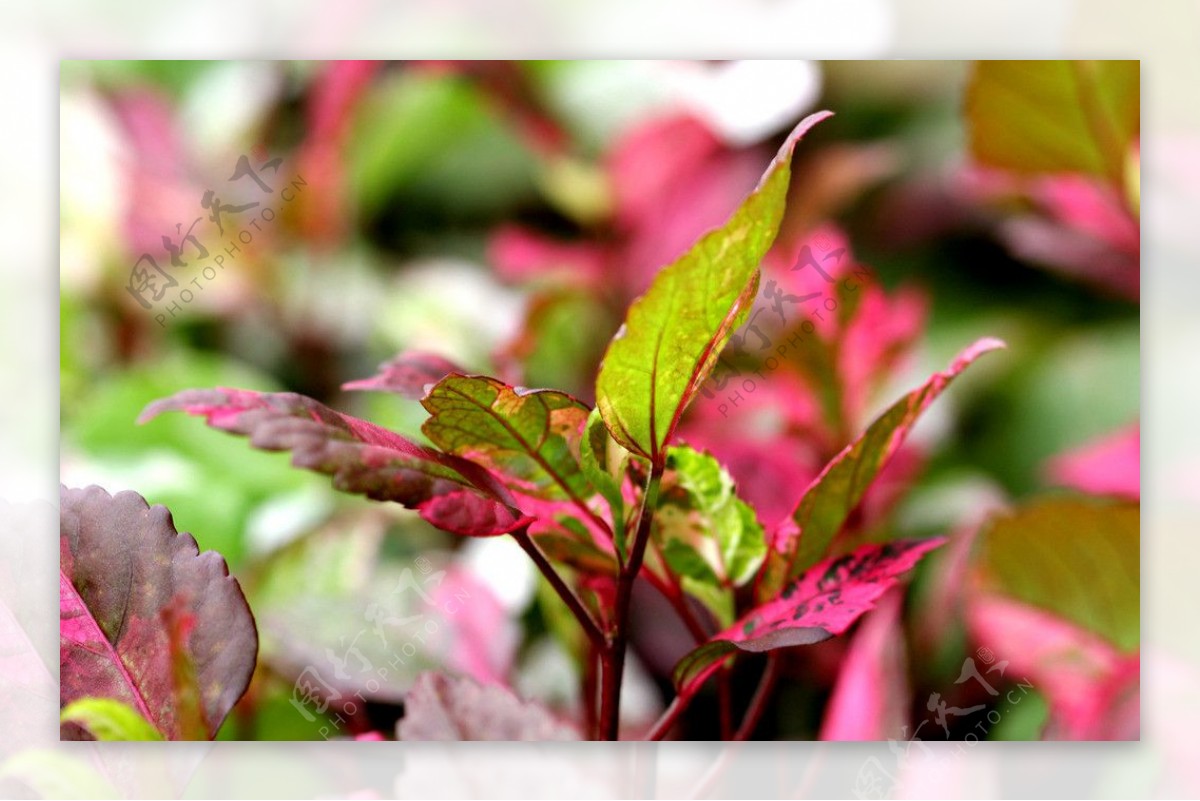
(1055, 116)
(1075, 557)
(109, 719)
(530, 438)
(673, 334)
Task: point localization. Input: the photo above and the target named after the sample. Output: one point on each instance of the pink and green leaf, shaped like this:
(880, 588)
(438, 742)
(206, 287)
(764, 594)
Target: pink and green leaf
(1078, 558)
(529, 438)
(806, 537)
(820, 603)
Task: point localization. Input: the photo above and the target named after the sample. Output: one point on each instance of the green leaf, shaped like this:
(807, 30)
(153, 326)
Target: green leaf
(806, 537)
(55, 774)
(1055, 116)
(673, 334)
(109, 719)
(603, 463)
(717, 517)
(708, 536)
(528, 437)
(1076, 557)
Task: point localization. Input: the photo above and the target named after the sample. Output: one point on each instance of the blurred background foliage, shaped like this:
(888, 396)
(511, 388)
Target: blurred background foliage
(419, 181)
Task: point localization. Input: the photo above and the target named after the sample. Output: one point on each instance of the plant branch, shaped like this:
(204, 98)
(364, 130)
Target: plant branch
(565, 592)
(615, 664)
(668, 718)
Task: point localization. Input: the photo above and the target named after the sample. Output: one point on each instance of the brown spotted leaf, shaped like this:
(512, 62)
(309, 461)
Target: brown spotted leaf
(822, 602)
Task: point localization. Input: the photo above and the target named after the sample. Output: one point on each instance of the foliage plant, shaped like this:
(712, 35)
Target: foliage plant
(598, 498)
(629, 508)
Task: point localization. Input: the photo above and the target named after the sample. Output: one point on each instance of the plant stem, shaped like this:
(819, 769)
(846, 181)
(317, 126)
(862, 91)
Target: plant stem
(610, 702)
(668, 718)
(566, 593)
(758, 703)
(724, 701)
(589, 689)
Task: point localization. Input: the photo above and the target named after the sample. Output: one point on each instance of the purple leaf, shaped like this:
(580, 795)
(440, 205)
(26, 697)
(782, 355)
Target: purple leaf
(410, 374)
(819, 604)
(146, 619)
(451, 493)
(443, 708)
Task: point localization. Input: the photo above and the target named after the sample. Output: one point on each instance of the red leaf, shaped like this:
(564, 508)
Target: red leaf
(146, 619)
(449, 492)
(820, 603)
(442, 708)
(410, 374)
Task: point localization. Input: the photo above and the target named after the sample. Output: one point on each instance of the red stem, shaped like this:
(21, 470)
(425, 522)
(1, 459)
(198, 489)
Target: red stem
(664, 723)
(556, 581)
(614, 665)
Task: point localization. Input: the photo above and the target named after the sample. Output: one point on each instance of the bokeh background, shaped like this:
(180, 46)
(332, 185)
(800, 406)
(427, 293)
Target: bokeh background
(504, 214)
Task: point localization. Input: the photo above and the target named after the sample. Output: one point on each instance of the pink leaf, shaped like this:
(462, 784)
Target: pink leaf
(146, 619)
(674, 182)
(822, 602)
(520, 255)
(1107, 466)
(1091, 687)
(482, 639)
(871, 693)
(410, 374)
